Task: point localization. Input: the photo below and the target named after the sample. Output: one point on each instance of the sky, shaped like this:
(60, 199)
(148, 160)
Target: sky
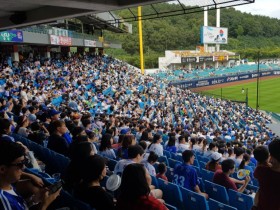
(269, 8)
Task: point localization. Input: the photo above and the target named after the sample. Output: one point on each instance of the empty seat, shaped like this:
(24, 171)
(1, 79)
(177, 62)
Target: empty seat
(193, 201)
(216, 205)
(171, 193)
(216, 192)
(207, 175)
(240, 200)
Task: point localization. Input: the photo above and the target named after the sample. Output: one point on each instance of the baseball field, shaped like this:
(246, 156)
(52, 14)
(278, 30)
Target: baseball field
(269, 92)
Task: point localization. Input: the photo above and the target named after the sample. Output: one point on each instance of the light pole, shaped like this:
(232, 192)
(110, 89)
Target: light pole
(258, 80)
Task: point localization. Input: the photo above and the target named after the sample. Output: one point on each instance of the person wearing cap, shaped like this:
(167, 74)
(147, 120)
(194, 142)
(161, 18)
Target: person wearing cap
(54, 114)
(213, 164)
(222, 177)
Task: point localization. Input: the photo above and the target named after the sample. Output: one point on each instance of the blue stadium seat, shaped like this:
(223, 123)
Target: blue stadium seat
(163, 159)
(193, 201)
(202, 158)
(154, 181)
(202, 164)
(215, 205)
(170, 207)
(216, 192)
(240, 200)
(207, 175)
(169, 174)
(166, 153)
(173, 163)
(171, 193)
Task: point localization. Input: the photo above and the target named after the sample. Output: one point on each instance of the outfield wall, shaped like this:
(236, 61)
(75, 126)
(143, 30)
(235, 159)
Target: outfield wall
(223, 79)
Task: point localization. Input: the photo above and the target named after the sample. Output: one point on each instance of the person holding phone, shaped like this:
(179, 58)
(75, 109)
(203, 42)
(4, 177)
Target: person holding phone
(12, 164)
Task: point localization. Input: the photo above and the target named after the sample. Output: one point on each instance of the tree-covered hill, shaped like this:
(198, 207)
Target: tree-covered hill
(247, 34)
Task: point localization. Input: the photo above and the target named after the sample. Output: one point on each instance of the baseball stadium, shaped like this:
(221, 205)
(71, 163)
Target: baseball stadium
(84, 125)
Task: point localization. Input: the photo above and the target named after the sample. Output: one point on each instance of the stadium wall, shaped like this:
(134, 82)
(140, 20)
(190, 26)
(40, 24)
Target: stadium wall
(223, 79)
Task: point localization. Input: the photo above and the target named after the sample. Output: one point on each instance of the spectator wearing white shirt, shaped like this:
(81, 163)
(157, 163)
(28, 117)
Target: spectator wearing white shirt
(135, 155)
(212, 148)
(182, 146)
(153, 157)
(155, 146)
(105, 148)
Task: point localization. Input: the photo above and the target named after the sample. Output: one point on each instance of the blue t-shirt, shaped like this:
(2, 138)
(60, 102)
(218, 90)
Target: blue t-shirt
(10, 201)
(185, 176)
(171, 149)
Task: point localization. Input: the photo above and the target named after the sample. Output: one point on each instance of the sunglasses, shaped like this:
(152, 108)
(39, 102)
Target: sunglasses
(20, 164)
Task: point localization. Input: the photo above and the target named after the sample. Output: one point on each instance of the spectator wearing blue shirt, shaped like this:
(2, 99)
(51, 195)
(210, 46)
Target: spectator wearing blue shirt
(171, 145)
(185, 174)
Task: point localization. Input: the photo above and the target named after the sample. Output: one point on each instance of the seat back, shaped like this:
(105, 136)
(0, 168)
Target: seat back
(240, 200)
(216, 192)
(163, 159)
(215, 205)
(154, 181)
(111, 164)
(193, 201)
(171, 193)
(170, 207)
(173, 163)
(207, 175)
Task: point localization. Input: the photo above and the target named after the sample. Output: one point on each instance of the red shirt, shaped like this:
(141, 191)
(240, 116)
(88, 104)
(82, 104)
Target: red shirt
(222, 179)
(269, 191)
(144, 202)
(162, 176)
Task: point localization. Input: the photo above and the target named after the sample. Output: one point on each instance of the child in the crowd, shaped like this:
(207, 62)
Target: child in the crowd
(161, 171)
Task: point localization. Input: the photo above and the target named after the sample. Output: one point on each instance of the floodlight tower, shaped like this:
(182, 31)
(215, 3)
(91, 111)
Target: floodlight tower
(218, 25)
(205, 24)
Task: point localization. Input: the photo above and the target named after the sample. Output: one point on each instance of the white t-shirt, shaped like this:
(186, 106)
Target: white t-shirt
(151, 169)
(156, 148)
(121, 165)
(182, 147)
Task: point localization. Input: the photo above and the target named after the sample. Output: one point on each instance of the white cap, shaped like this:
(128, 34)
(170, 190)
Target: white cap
(216, 155)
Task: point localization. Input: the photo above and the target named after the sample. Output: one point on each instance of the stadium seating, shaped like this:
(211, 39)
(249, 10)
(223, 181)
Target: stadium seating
(215, 205)
(171, 193)
(173, 163)
(154, 181)
(240, 200)
(193, 201)
(207, 175)
(216, 192)
(170, 207)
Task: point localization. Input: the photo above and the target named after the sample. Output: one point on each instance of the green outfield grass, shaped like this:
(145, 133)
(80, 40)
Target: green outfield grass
(269, 94)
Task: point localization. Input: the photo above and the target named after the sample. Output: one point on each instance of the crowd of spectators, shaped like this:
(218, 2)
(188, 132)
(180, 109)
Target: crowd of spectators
(92, 108)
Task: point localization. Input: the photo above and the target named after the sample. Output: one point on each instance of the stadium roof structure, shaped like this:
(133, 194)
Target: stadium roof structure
(15, 13)
(186, 7)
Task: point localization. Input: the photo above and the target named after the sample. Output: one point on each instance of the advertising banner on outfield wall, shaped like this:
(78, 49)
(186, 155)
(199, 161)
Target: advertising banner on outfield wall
(90, 43)
(61, 40)
(221, 80)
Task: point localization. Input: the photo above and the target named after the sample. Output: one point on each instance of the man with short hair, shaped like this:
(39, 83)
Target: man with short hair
(135, 155)
(185, 174)
(268, 178)
(221, 177)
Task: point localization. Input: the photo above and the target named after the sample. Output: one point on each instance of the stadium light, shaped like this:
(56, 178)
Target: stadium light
(258, 80)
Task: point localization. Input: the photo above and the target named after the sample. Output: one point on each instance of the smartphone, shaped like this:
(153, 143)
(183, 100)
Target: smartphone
(55, 187)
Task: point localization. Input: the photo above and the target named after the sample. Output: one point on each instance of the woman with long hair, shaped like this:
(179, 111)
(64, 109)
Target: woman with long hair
(171, 144)
(135, 190)
(244, 164)
(105, 148)
(155, 146)
(128, 140)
